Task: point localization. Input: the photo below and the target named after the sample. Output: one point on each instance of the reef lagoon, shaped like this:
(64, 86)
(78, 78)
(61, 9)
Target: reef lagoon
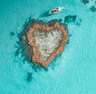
(71, 72)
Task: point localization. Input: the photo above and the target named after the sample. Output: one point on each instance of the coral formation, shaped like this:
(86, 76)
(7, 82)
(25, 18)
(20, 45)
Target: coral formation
(85, 1)
(69, 19)
(93, 9)
(46, 41)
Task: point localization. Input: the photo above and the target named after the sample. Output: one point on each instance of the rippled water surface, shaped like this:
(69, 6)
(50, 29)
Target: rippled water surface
(72, 72)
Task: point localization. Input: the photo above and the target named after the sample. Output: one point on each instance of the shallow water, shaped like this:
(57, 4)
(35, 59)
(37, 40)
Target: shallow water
(72, 72)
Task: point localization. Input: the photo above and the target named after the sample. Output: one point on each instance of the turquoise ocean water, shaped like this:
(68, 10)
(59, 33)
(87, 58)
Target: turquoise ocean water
(75, 72)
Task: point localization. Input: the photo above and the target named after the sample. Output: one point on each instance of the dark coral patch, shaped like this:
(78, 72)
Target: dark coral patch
(29, 76)
(93, 9)
(85, 1)
(12, 33)
(60, 20)
(95, 2)
(70, 18)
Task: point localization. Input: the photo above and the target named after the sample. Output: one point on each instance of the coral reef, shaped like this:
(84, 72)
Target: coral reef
(46, 41)
(52, 39)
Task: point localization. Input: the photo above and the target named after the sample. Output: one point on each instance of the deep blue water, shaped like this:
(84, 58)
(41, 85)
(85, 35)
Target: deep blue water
(75, 69)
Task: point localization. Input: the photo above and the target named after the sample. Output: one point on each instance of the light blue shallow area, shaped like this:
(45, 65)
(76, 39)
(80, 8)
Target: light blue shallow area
(75, 72)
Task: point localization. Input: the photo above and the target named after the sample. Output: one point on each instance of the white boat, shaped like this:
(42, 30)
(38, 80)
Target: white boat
(56, 10)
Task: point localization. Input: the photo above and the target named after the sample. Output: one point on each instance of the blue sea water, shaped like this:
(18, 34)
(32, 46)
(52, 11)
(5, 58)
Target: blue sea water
(75, 72)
